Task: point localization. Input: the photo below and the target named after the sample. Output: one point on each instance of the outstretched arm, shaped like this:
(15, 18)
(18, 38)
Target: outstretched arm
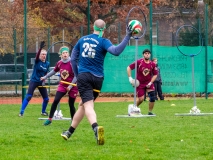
(117, 50)
(51, 73)
(39, 51)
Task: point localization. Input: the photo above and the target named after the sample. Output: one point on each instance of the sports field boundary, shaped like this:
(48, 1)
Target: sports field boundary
(38, 99)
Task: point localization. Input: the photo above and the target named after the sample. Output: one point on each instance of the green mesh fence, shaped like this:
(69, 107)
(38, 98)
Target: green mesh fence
(176, 70)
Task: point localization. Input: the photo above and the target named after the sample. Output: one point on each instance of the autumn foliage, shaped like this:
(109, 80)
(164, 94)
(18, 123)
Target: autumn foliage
(73, 15)
(65, 13)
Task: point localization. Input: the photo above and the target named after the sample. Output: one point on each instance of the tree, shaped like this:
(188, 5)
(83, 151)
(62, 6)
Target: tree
(71, 14)
(9, 21)
(64, 13)
(12, 20)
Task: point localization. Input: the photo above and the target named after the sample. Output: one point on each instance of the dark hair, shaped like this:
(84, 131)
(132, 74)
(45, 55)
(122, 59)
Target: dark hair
(146, 50)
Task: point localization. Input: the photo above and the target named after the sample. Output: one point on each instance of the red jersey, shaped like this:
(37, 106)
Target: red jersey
(145, 71)
(65, 70)
(67, 75)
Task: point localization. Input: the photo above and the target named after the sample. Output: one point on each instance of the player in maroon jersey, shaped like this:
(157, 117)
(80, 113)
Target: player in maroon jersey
(146, 75)
(66, 73)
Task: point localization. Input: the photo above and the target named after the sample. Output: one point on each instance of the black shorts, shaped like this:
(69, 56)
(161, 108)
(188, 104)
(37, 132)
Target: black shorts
(86, 82)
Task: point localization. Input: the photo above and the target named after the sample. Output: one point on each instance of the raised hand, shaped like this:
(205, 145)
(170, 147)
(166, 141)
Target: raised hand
(128, 31)
(42, 45)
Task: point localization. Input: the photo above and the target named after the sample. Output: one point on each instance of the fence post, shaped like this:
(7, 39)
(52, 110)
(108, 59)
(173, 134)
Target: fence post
(199, 29)
(23, 86)
(25, 47)
(206, 49)
(150, 24)
(157, 33)
(15, 60)
(48, 44)
(82, 31)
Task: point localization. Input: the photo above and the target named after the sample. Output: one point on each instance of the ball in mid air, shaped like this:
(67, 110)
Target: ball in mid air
(135, 26)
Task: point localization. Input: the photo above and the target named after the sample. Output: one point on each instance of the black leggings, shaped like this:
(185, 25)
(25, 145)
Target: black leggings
(57, 99)
(33, 86)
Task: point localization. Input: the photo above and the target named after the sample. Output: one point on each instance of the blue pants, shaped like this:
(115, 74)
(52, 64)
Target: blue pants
(31, 89)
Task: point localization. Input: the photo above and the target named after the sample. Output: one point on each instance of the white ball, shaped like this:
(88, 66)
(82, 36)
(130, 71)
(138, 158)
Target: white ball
(133, 83)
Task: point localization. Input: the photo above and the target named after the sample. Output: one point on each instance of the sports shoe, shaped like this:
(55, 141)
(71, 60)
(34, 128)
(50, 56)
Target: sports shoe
(44, 114)
(21, 115)
(47, 122)
(99, 135)
(66, 135)
(150, 113)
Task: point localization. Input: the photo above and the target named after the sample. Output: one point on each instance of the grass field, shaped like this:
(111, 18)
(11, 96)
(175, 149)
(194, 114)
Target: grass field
(164, 137)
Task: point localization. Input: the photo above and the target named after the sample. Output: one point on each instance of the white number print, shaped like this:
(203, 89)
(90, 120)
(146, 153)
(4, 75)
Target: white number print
(89, 50)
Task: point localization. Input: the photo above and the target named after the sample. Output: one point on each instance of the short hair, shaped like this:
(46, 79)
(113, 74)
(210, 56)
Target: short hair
(44, 50)
(100, 23)
(146, 50)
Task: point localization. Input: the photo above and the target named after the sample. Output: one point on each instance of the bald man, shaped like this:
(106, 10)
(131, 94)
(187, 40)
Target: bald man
(88, 54)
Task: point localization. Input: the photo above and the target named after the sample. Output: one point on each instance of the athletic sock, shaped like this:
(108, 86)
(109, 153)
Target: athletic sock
(94, 125)
(71, 129)
(24, 105)
(44, 104)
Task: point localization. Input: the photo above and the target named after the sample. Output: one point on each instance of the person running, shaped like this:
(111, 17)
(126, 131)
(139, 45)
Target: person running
(64, 67)
(146, 75)
(40, 69)
(89, 53)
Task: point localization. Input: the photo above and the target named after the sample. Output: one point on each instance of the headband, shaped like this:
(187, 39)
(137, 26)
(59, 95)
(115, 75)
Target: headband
(99, 29)
(63, 50)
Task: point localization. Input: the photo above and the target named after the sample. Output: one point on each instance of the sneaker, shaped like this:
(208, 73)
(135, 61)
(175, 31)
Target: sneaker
(44, 114)
(150, 113)
(21, 115)
(47, 122)
(99, 134)
(66, 135)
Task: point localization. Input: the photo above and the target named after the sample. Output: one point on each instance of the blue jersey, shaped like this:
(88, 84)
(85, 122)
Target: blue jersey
(92, 51)
(40, 69)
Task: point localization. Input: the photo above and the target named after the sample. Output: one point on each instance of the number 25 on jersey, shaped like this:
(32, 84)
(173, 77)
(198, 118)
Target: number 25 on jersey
(89, 50)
